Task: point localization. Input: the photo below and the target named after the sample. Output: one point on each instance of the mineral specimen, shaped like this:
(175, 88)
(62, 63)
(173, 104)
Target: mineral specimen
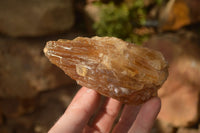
(114, 68)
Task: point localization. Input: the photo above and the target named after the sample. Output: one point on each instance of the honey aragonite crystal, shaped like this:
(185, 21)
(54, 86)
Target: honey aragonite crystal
(114, 68)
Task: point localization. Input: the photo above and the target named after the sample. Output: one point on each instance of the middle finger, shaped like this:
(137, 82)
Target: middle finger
(127, 118)
(108, 113)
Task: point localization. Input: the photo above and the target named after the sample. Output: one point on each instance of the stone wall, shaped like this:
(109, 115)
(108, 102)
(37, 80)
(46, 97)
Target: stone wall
(35, 17)
(31, 88)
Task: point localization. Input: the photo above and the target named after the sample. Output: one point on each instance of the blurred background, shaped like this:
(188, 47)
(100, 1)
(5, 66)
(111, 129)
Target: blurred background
(34, 93)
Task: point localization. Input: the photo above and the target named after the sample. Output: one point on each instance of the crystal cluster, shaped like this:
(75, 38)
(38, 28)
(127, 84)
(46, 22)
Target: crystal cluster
(129, 73)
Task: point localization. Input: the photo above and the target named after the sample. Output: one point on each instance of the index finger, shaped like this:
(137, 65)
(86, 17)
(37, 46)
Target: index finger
(78, 113)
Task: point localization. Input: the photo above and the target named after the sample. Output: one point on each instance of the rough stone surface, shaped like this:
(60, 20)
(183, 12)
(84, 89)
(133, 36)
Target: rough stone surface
(25, 71)
(92, 11)
(35, 17)
(5, 129)
(181, 106)
(187, 130)
(162, 127)
(114, 68)
(1, 118)
(179, 13)
(47, 107)
(14, 107)
(180, 93)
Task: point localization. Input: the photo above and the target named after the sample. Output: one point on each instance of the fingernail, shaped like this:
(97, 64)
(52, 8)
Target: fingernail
(89, 90)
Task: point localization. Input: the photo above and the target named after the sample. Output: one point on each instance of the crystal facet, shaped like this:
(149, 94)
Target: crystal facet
(114, 68)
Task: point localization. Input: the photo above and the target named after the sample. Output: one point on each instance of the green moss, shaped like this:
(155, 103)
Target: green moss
(113, 20)
(158, 2)
(120, 20)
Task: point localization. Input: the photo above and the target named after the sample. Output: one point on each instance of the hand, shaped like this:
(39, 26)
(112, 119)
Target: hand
(76, 117)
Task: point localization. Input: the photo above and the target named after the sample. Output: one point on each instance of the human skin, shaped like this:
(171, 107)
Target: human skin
(134, 119)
